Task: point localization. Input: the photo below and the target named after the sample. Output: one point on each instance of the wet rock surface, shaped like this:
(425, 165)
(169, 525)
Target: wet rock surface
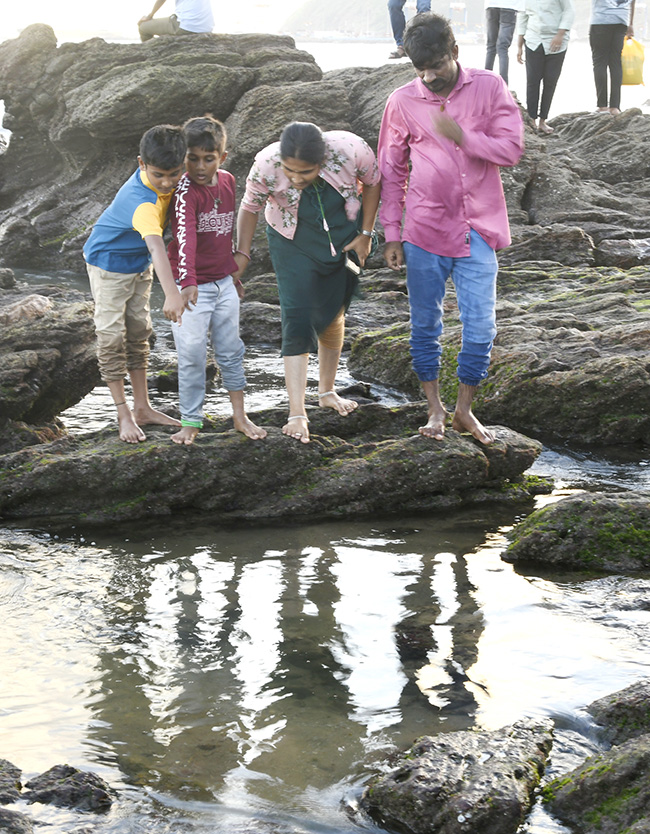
(373, 461)
(13, 822)
(608, 794)
(461, 782)
(10, 785)
(625, 714)
(590, 531)
(47, 361)
(570, 360)
(68, 787)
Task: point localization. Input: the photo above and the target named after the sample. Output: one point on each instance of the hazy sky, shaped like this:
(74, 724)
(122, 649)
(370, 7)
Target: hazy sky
(72, 19)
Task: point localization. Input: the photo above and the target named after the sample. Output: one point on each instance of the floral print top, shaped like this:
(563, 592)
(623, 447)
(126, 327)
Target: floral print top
(349, 163)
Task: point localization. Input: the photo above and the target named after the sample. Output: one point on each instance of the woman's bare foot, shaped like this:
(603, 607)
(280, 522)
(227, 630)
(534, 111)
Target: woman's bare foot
(543, 127)
(615, 111)
(148, 416)
(467, 422)
(186, 436)
(330, 399)
(297, 427)
(247, 427)
(130, 431)
(435, 425)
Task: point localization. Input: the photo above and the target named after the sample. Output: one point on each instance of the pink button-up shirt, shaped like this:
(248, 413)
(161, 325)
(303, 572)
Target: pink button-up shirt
(349, 161)
(451, 188)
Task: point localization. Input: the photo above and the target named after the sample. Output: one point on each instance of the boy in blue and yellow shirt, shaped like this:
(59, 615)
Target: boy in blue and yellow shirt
(119, 253)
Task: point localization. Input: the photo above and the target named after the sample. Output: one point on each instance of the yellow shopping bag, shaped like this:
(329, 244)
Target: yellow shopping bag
(632, 60)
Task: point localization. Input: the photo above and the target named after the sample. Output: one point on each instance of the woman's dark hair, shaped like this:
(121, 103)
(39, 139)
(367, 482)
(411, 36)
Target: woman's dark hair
(428, 37)
(205, 132)
(304, 141)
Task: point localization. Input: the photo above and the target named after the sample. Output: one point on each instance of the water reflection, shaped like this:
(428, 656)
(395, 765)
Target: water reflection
(252, 679)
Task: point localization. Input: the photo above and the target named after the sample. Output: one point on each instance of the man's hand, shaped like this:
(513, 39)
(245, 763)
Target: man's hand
(190, 295)
(447, 127)
(394, 255)
(361, 245)
(520, 49)
(557, 41)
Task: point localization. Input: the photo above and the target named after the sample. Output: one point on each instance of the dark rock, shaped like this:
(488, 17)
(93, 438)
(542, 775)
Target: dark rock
(77, 112)
(466, 781)
(625, 714)
(7, 279)
(9, 782)
(372, 461)
(567, 245)
(261, 114)
(570, 358)
(623, 253)
(590, 531)
(47, 356)
(608, 794)
(13, 822)
(68, 787)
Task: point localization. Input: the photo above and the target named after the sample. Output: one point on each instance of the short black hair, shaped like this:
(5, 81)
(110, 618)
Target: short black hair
(427, 38)
(304, 141)
(205, 132)
(163, 146)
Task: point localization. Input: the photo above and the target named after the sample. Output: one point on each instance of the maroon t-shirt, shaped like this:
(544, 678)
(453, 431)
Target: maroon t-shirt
(202, 219)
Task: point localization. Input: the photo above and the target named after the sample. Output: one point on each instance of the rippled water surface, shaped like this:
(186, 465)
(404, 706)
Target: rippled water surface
(252, 679)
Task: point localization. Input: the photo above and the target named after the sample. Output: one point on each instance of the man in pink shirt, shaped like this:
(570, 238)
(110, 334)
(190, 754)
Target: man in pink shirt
(453, 127)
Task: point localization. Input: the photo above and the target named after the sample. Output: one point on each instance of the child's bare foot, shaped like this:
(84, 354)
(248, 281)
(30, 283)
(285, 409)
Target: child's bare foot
(330, 399)
(297, 427)
(148, 416)
(435, 425)
(130, 431)
(467, 422)
(247, 427)
(186, 436)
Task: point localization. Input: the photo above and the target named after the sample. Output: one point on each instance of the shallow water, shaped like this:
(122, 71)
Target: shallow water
(252, 679)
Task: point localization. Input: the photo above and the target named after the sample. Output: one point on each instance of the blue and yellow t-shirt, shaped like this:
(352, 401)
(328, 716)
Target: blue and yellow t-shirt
(116, 242)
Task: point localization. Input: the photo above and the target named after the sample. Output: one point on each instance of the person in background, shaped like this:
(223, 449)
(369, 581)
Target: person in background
(398, 22)
(191, 17)
(206, 269)
(320, 192)
(611, 23)
(543, 28)
(500, 23)
(443, 137)
(125, 240)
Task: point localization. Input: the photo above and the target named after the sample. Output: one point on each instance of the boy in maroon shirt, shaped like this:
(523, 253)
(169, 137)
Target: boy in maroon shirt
(207, 271)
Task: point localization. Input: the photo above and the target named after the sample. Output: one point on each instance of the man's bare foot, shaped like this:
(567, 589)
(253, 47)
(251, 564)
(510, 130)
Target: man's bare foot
(467, 422)
(297, 427)
(330, 399)
(435, 425)
(186, 436)
(148, 416)
(130, 431)
(247, 427)
(615, 111)
(543, 127)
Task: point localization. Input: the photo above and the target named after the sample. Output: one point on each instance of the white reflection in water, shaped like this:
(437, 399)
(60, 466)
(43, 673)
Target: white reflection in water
(371, 585)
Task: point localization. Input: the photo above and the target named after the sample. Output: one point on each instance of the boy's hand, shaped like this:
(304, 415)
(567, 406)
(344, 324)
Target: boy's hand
(241, 292)
(190, 295)
(174, 307)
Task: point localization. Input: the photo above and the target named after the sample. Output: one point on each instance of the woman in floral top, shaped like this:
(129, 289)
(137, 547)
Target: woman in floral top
(320, 194)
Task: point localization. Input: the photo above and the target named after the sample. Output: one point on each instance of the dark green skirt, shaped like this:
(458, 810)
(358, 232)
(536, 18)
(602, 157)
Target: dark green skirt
(313, 284)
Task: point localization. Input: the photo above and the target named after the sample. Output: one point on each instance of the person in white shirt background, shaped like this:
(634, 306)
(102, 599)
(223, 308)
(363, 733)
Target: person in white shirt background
(500, 23)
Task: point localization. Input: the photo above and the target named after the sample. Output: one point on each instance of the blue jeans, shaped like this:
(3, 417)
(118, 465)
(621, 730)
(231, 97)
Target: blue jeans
(500, 28)
(397, 19)
(475, 279)
(216, 315)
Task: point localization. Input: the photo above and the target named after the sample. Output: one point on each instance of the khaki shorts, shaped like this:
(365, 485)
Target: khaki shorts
(122, 320)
